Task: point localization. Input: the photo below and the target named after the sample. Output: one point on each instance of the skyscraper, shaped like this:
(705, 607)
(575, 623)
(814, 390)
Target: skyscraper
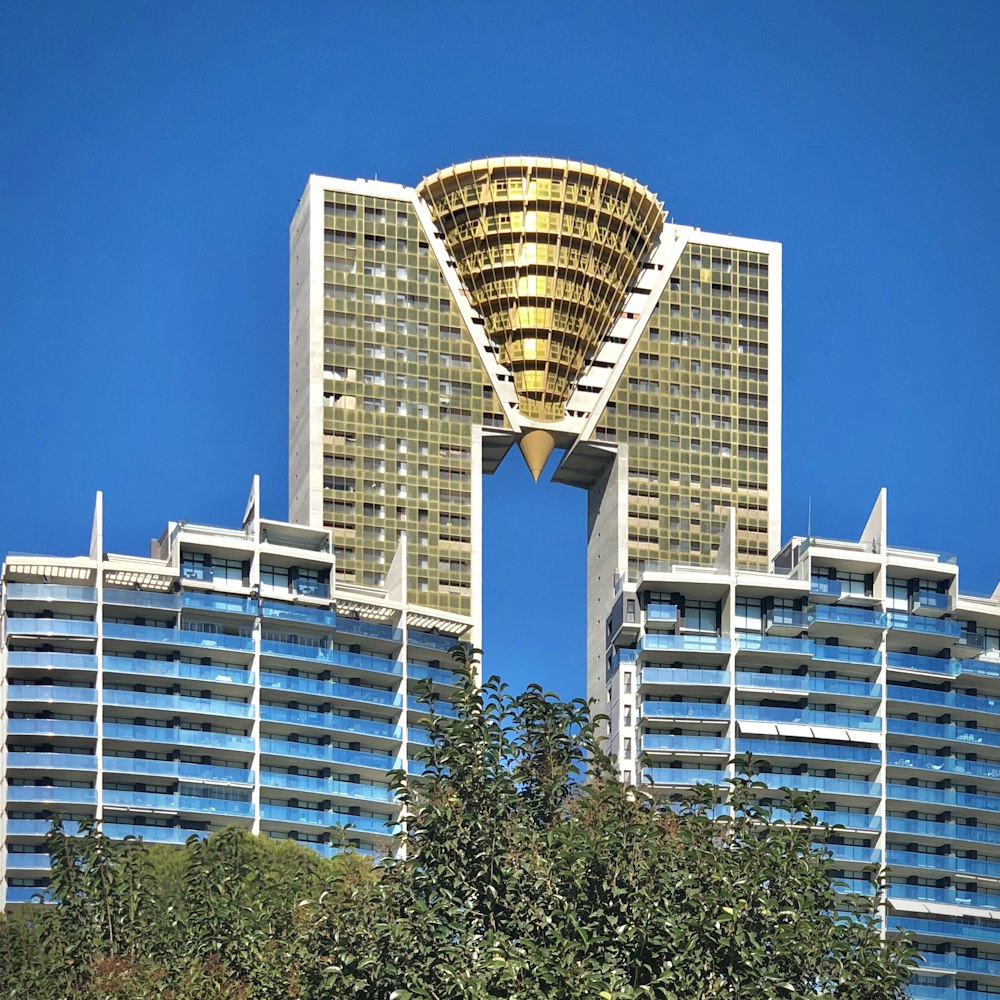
(542, 302)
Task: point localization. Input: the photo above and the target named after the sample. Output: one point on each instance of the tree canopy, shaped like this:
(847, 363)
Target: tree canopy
(515, 879)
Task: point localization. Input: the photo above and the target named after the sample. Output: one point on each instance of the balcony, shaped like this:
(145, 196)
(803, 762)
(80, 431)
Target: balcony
(52, 727)
(325, 818)
(930, 602)
(328, 786)
(944, 699)
(330, 755)
(683, 776)
(330, 721)
(61, 661)
(855, 855)
(143, 599)
(52, 626)
(816, 783)
(428, 640)
(751, 642)
(942, 863)
(27, 893)
(178, 637)
(680, 675)
(682, 710)
(50, 592)
(944, 765)
(661, 615)
(180, 770)
(331, 689)
(436, 707)
(225, 603)
(311, 588)
(177, 670)
(38, 827)
(846, 654)
(809, 717)
(171, 802)
(924, 664)
(51, 694)
(846, 818)
(686, 643)
(943, 797)
(331, 657)
(945, 832)
(176, 736)
(860, 617)
(945, 731)
(972, 931)
(681, 744)
(947, 628)
(150, 833)
(821, 586)
(24, 860)
(296, 613)
(421, 672)
(370, 630)
(782, 621)
(808, 749)
(51, 761)
(808, 683)
(51, 793)
(177, 703)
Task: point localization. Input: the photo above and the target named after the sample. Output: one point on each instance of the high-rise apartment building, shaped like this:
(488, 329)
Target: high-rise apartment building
(227, 679)
(541, 302)
(855, 670)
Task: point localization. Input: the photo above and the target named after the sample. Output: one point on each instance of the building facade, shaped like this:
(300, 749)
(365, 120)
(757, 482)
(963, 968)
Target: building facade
(542, 302)
(227, 679)
(855, 670)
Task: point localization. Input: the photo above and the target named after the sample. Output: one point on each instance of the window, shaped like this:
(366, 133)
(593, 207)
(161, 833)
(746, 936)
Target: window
(701, 616)
(274, 576)
(748, 614)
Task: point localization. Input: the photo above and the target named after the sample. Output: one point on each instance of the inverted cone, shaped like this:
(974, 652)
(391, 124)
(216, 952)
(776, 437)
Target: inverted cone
(536, 446)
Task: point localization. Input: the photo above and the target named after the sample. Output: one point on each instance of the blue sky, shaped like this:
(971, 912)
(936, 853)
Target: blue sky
(151, 156)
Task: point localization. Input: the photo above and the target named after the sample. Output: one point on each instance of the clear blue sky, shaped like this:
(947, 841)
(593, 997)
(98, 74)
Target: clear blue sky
(151, 156)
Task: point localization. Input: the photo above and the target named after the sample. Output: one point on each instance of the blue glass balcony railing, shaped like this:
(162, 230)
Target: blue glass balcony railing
(331, 689)
(333, 657)
(849, 616)
(178, 637)
(24, 859)
(859, 855)
(898, 621)
(38, 827)
(944, 764)
(952, 896)
(824, 586)
(838, 817)
(664, 613)
(680, 675)
(177, 669)
(327, 786)
(846, 654)
(816, 783)
(51, 693)
(973, 931)
(420, 672)
(178, 736)
(683, 776)
(932, 600)
(53, 761)
(700, 744)
(786, 618)
(69, 661)
(178, 703)
(944, 797)
(808, 749)
(683, 710)
(925, 664)
(325, 818)
(371, 630)
(51, 727)
(143, 599)
(310, 588)
(689, 643)
(809, 717)
(942, 862)
(51, 626)
(438, 707)
(961, 963)
(751, 642)
(226, 603)
(330, 755)
(153, 834)
(25, 893)
(177, 803)
(50, 592)
(51, 793)
(427, 640)
(809, 683)
(181, 770)
(943, 731)
(944, 699)
(297, 613)
(329, 720)
(944, 831)
(417, 734)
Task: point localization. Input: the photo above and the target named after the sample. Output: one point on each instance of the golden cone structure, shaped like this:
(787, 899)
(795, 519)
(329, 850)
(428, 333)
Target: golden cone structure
(547, 251)
(536, 446)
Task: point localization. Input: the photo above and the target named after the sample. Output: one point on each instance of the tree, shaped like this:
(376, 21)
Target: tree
(521, 881)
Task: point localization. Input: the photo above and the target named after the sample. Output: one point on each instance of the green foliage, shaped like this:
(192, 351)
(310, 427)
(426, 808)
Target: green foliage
(516, 880)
